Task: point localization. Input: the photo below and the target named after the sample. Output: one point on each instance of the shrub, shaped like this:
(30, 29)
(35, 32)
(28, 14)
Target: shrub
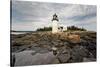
(45, 29)
(74, 28)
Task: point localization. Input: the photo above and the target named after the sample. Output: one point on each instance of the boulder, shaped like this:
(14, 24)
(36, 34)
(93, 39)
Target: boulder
(74, 38)
(64, 55)
(29, 58)
(63, 58)
(78, 53)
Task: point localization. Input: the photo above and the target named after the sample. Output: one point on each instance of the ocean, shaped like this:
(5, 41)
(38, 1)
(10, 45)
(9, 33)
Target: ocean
(16, 33)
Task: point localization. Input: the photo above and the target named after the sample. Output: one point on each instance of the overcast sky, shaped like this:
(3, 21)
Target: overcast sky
(29, 15)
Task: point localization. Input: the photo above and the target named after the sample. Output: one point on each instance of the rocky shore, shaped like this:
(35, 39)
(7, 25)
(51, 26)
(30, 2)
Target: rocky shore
(47, 48)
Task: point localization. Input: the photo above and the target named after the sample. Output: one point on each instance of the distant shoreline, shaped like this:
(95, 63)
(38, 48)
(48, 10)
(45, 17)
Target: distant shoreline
(22, 31)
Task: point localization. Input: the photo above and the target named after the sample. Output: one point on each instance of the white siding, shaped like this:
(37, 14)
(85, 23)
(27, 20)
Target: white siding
(54, 26)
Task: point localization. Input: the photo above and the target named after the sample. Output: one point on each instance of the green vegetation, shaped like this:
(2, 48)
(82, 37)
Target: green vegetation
(69, 28)
(74, 28)
(45, 29)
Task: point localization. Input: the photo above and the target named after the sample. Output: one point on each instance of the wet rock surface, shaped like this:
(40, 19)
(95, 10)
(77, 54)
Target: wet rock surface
(33, 58)
(36, 48)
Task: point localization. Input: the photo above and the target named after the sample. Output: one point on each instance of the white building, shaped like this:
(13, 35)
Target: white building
(55, 24)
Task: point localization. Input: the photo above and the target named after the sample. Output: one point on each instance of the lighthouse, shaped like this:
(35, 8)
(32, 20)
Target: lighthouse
(55, 23)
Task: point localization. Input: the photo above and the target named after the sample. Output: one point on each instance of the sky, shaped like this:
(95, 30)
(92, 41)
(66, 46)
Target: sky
(30, 15)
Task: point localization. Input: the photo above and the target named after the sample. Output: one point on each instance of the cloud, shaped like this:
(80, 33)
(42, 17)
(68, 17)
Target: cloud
(28, 15)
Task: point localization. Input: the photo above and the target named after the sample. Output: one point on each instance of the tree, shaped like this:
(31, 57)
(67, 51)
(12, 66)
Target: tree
(74, 28)
(45, 29)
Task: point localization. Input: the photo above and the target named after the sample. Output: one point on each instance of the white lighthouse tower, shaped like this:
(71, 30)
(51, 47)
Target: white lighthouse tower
(55, 23)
